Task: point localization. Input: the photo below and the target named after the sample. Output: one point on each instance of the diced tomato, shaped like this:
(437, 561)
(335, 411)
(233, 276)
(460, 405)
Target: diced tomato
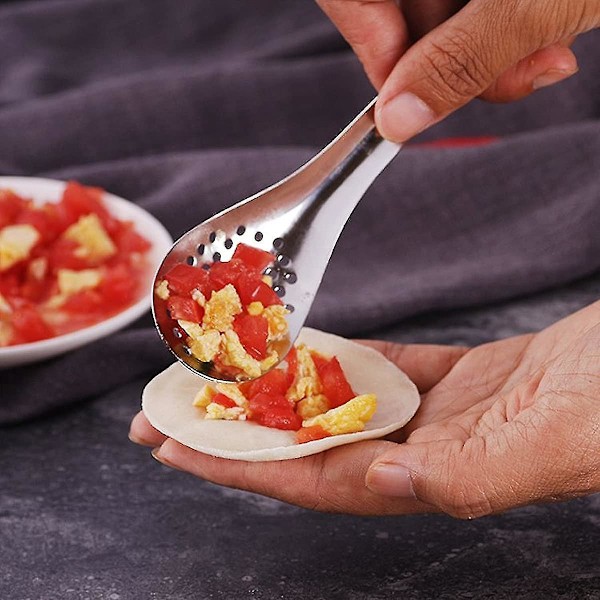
(309, 434)
(128, 240)
(118, 285)
(183, 279)
(79, 200)
(251, 289)
(253, 257)
(320, 361)
(274, 411)
(29, 326)
(37, 283)
(335, 385)
(34, 290)
(224, 400)
(281, 419)
(222, 273)
(84, 302)
(262, 402)
(44, 221)
(10, 281)
(28, 284)
(253, 331)
(62, 254)
(10, 206)
(273, 383)
(184, 309)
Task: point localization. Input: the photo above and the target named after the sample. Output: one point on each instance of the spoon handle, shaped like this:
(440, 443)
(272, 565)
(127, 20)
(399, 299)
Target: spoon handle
(343, 171)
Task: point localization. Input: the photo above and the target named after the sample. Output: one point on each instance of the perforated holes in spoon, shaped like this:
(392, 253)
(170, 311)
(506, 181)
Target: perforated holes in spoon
(228, 243)
(290, 277)
(216, 256)
(278, 243)
(258, 236)
(283, 260)
(191, 260)
(200, 249)
(212, 237)
(240, 230)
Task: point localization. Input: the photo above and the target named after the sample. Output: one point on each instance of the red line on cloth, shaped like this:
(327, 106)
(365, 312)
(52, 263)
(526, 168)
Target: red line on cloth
(458, 142)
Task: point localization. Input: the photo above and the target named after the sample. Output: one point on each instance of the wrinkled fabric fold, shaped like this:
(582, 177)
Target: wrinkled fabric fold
(187, 108)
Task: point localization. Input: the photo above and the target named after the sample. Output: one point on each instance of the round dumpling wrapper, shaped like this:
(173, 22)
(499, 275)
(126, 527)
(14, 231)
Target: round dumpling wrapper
(167, 402)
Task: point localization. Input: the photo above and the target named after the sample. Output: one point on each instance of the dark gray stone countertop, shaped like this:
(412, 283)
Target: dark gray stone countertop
(84, 513)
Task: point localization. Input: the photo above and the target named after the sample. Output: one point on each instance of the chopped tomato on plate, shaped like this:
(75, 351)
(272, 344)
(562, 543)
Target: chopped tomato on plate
(54, 281)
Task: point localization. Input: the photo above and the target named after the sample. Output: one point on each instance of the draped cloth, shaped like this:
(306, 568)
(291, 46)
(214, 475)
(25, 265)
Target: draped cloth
(185, 108)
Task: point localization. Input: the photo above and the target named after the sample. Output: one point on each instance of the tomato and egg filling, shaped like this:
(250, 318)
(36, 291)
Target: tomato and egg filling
(311, 395)
(64, 265)
(229, 313)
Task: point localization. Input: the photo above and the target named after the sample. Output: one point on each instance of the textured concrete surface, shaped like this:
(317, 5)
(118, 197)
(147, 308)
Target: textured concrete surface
(85, 514)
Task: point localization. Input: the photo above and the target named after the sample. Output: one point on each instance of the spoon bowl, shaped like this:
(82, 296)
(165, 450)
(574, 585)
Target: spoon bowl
(299, 220)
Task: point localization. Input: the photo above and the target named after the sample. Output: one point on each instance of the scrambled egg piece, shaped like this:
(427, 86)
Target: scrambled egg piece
(347, 418)
(278, 326)
(198, 296)
(204, 397)
(233, 392)
(194, 330)
(204, 344)
(71, 282)
(255, 308)
(162, 289)
(214, 410)
(271, 360)
(312, 406)
(16, 243)
(235, 355)
(94, 242)
(218, 411)
(221, 309)
(306, 382)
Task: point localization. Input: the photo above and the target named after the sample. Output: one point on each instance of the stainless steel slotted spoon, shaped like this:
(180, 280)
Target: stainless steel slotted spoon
(299, 219)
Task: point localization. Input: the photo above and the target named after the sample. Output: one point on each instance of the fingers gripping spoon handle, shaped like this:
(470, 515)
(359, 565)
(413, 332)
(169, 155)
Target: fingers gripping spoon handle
(299, 219)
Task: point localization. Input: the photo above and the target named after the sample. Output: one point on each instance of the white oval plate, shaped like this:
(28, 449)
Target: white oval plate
(167, 402)
(50, 190)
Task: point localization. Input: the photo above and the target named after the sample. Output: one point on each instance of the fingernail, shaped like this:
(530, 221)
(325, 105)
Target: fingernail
(551, 77)
(138, 440)
(388, 479)
(156, 455)
(403, 117)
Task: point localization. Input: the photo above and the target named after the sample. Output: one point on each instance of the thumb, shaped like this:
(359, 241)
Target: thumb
(437, 473)
(463, 479)
(466, 54)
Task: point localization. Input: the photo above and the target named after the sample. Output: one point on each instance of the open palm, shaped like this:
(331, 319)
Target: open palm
(500, 425)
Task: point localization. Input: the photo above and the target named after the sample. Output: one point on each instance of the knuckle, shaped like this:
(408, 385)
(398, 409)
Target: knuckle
(456, 69)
